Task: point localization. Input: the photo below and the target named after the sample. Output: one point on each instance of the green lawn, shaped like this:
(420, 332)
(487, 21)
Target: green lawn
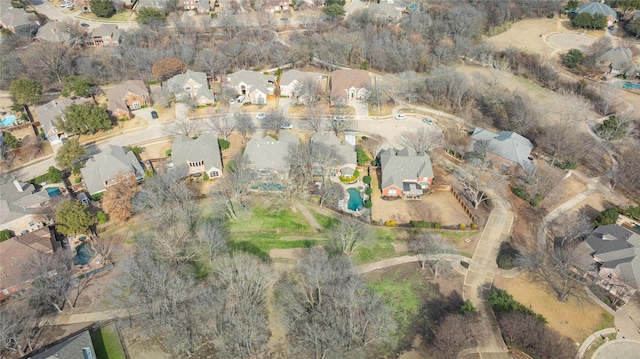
(107, 344)
(380, 249)
(260, 219)
(325, 222)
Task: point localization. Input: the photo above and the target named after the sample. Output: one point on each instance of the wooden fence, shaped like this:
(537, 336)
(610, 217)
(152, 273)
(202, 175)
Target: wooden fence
(446, 187)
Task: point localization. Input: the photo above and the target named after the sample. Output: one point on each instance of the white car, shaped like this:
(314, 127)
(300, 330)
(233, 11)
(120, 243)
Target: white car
(339, 118)
(427, 120)
(232, 101)
(401, 116)
(240, 99)
(261, 116)
(286, 126)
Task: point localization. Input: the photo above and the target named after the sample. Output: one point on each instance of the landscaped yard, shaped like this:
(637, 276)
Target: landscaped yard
(438, 206)
(107, 344)
(575, 318)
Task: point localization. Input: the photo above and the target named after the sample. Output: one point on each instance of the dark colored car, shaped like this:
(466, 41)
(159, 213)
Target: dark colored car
(154, 114)
(84, 24)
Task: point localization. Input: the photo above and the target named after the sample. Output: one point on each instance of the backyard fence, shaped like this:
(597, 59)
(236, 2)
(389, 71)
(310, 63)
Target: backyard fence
(446, 187)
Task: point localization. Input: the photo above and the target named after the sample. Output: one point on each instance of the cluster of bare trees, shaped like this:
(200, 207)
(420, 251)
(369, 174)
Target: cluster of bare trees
(530, 332)
(328, 310)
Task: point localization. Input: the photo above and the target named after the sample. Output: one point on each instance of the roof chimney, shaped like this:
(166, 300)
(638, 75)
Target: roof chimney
(18, 186)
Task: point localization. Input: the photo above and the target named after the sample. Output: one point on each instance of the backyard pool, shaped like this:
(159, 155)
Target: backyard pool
(84, 253)
(8, 120)
(53, 192)
(355, 200)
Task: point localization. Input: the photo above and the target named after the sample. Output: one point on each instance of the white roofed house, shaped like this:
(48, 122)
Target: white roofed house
(103, 169)
(255, 86)
(191, 85)
(201, 155)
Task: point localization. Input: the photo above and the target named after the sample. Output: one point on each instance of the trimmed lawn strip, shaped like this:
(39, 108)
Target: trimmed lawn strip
(325, 222)
(107, 344)
(381, 248)
(597, 344)
(260, 219)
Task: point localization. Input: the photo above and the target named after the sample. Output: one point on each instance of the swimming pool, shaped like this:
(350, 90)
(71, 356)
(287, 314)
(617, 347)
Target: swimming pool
(53, 192)
(84, 253)
(355, 200)
(8, 120)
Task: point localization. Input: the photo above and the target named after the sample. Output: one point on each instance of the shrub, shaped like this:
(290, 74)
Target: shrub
(536, 200)
(205, 177)
(551, 16)
(368, 191)
(566, 165)
(96, 197)
(102, 217)
(55, 175)
(5, 234)
(356, 173)
(467, 308)
(368, 204)
(507, 256)
(361, 156)
(608, 216)
(366, 179)
(633, 212)
(503, 302)
(224, 144)
(390, 224)
(11, 140)
(78, 179)
(573, 58)
(246, 104)
(168, 153)
(76, 169)
(462, 226)
(420, 224)
(474, 226)
(437, 225)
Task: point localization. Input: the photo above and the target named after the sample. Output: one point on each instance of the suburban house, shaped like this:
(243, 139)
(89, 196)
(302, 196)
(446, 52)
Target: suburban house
(388, 9)
(345, 160)
(614, 258)
(191, 85)
(75, 346)
(49, 114)
(21, 207)
(103, 169)
(54, 31)
(274, 6)
(126, 97)
(618, 61)
(105, 35)
(270, 157)
(254, 85)
(158, 4)
(349, 85)
(291, 83)
(201, 6)
(405, 173)
(600, 8)
(16, 251)
(505, 148)
(12, 18)
(201, 155)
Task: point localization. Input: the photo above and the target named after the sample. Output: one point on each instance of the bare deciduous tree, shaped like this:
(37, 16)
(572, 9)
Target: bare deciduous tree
(51, 285)
(476, 181)
(274, 120)
(224, 125)
(348, 235)
(108, 246)
(452, 335)
(569, 227)
(421, 140)
(427, 248)
(541, 180)
(235, 185)
(244, 124)
(185, 126)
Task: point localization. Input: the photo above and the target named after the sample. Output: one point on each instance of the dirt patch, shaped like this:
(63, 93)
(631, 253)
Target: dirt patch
(146, 350)
(592, 206)
(156, 150)
(576, 319)
(564, 191)
(568, 41)
(528, 34)
(292, 253)
(437, 206)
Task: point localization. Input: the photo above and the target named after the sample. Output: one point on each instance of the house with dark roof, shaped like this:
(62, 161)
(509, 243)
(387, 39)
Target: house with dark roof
(127, 97)
(191, 85)
(16, 251)
(344, 158)
(21, 207)
(75, 346)
(600, 8)
(618, 61)
(201, 155)
(269, 157)
(256, 86)
(615, 256)
(49, 116)
(505, 148)
(105, 35)
(405, 173)
(349, 85)
(103, 169)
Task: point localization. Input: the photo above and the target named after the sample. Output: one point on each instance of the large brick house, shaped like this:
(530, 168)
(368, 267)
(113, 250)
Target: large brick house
(405, 173)
(126, 97)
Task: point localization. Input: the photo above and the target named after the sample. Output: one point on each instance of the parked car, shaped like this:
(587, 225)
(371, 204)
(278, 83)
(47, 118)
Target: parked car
(154, 115)
(261, 116)
(401, 116)
(84, 24)
(286, 126)
(339, 118)
(428, 121)
(241, 99)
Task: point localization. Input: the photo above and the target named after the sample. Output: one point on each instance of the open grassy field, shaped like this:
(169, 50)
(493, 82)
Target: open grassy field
(107, 344)
(575, 318)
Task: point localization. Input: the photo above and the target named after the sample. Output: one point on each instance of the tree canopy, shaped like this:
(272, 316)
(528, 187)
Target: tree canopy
(150, 16)
(10, 140)
(77, 86)
(102, 8)
(586, 20)
(334, 10)
(69, 153)
(26, 91)
(85, 118)
(72, 217)
(633, 26)
(573, 58)
(168, 67)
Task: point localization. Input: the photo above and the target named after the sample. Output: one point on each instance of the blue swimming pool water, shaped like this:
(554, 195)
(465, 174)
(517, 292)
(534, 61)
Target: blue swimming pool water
(355, 200)
(53, 191)
(8, 120)
(629, 85)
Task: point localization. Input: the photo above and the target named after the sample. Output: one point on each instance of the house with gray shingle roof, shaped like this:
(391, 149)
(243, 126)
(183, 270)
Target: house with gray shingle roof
(191, 85)
(405, 173)
(615, 251)
(199, 155)
(76, 346)
(49, 114)
(12, 18)
(254, 85)
(126, 97)
(344, 153)
(270, 157)
(105, 35)
(291, 83)
(54, 31)
(600, 8)
(21, 207)
(508, 148)
(618, 61)
(103, 169)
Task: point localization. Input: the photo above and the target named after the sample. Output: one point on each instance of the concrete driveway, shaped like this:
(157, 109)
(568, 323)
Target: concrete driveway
(362, 112)
(146, 114)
